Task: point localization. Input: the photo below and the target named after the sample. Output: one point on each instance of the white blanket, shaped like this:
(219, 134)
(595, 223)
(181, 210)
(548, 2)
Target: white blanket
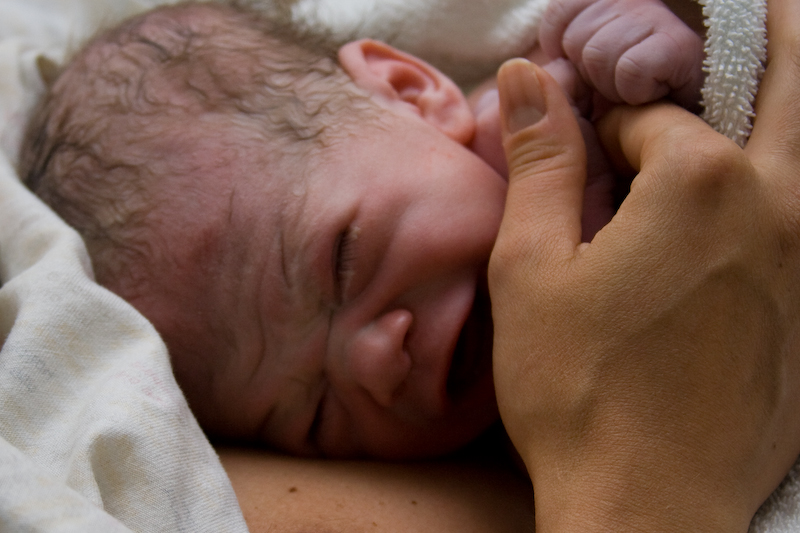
(94, 433)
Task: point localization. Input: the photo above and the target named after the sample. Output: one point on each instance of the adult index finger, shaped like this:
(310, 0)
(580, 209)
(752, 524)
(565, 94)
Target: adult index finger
(775, 139)
(547, 165)
(663, 143)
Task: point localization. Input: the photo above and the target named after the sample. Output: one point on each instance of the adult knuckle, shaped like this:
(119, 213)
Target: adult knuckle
(717, 166)
(721, 162)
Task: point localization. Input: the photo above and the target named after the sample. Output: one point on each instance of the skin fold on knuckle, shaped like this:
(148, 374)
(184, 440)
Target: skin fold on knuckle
(719, 170)
(702, 167)
(634, 135)
(600, 69)
(631, 81)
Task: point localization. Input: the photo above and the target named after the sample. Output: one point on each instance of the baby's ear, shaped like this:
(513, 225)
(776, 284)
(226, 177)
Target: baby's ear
(403, 81)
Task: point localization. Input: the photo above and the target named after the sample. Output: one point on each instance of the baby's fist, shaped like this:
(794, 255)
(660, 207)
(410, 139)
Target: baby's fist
(632, 51)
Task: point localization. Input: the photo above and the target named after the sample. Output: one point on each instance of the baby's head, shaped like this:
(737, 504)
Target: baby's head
(309, 234)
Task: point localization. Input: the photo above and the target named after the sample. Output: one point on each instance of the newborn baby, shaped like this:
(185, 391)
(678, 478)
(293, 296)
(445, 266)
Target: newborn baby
(305, 224)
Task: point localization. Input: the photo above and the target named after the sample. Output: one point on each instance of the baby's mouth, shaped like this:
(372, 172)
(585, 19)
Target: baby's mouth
(472, 358)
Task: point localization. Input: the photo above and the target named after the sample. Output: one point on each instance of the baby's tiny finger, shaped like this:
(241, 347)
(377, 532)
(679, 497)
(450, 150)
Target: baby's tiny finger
(660, 65)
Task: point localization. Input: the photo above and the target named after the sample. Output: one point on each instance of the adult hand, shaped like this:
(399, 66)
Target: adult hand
(650, 379)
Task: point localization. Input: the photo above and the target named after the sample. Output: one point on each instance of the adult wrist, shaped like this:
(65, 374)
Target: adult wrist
(627, 496)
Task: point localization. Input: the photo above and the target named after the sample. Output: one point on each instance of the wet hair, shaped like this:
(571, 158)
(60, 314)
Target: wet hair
(95, 145)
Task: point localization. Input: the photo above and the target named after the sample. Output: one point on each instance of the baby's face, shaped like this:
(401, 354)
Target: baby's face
(353, 302)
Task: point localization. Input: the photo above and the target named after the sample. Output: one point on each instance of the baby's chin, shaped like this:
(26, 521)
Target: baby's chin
(470, 370)
(463, 425)
(470, 384)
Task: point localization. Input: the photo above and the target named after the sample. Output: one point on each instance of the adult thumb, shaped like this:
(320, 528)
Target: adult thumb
(546, 160)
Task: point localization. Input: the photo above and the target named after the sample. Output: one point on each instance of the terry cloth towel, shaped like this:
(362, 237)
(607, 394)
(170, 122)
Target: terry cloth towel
(736, 49)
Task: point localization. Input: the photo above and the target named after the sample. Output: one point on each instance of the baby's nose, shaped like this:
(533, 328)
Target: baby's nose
(377, 358)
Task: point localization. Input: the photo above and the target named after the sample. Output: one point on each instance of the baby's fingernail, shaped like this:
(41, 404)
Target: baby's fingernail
(521, 98)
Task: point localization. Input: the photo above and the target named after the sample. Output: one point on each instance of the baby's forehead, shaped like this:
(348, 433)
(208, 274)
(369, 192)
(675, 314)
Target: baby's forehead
(162, 59)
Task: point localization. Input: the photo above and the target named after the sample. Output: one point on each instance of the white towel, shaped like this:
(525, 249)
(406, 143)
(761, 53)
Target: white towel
(94, 433)
(736, 49)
